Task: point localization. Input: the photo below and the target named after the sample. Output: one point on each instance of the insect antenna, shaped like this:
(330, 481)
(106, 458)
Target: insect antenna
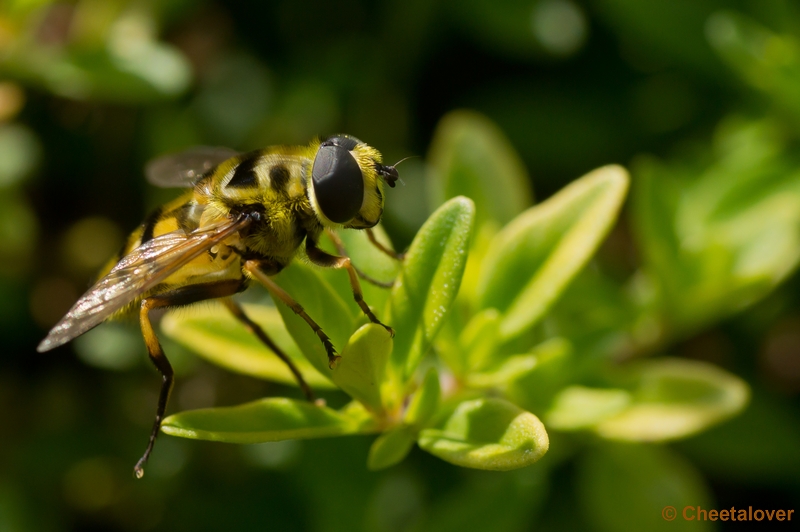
(389, 173)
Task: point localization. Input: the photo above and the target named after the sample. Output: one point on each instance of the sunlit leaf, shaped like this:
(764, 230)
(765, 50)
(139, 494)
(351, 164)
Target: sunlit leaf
(768, 61)
(323, 304)
(673, 398)
(488, 434)
(429, 282)
(213, 333)
(534, 258)
(578, 407)
(718, 237)
(362, 368)
(470, 156)
(479, 339)
(511, 368)
(271, 419)
(534, 383)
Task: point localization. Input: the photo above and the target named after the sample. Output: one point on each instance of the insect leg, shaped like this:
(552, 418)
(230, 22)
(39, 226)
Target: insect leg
(252, 267)
(174, 298)
(374, 240)
(322, 258)
(340, 248)
(239, 314)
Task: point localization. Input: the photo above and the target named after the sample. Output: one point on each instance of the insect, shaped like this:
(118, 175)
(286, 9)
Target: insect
(244, 219)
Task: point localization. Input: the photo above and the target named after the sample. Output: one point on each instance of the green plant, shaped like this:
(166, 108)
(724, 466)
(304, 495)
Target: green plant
(378, 373)
(531, 334)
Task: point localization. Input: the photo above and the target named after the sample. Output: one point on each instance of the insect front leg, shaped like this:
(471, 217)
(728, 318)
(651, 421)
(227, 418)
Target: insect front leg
(342, 251)
(174, 298)
(381, 247)
(324, 259)
(254, 268)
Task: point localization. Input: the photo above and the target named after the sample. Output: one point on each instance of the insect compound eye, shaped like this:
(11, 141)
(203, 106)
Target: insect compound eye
(338, 183)
(344, 141)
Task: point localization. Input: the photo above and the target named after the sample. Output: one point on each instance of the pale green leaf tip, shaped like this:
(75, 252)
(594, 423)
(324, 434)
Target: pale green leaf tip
(390, 448)
(677, 398)
(490, 434)
(265, 420)
(579, 407)
(612, 175)
(362, 368)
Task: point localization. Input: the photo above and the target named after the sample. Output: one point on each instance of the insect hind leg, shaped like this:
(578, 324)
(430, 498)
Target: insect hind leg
(239, 314)
(181, 296)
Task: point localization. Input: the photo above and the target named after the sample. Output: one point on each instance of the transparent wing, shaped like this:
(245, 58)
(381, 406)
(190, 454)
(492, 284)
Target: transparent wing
(182, 169)
(137, 272)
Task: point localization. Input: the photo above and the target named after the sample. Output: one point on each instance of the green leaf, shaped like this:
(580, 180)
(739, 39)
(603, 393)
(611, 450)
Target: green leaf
(534, 258)
(139, 71)
(539, 372)
(599, 315)
(323, 305)
(479, 339)
(366, 258)
(390, 447)
(425, 400)
(362, 369)
(470, 156)
(674, 398)
(536, 389)
(511, 368)
(768, 61)
(489, 434)
(271, 419)
(214, 334)
(578, 407)
(429, 282)
(481, 244)
(623, 487)
(718, 237)
(373, 262)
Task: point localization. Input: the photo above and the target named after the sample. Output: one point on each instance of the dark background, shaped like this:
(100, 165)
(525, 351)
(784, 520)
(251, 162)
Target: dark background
(573, 84)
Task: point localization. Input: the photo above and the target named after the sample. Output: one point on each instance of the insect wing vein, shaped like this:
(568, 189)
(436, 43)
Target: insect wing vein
(137, 272)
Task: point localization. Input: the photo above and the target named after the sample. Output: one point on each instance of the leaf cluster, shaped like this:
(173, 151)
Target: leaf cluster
(502, 329)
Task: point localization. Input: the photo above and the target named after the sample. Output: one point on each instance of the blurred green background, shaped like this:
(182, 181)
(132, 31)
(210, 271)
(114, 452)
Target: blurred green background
(699, 99)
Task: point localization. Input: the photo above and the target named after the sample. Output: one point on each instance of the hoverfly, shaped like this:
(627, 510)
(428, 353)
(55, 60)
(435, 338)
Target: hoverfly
(245, 218)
